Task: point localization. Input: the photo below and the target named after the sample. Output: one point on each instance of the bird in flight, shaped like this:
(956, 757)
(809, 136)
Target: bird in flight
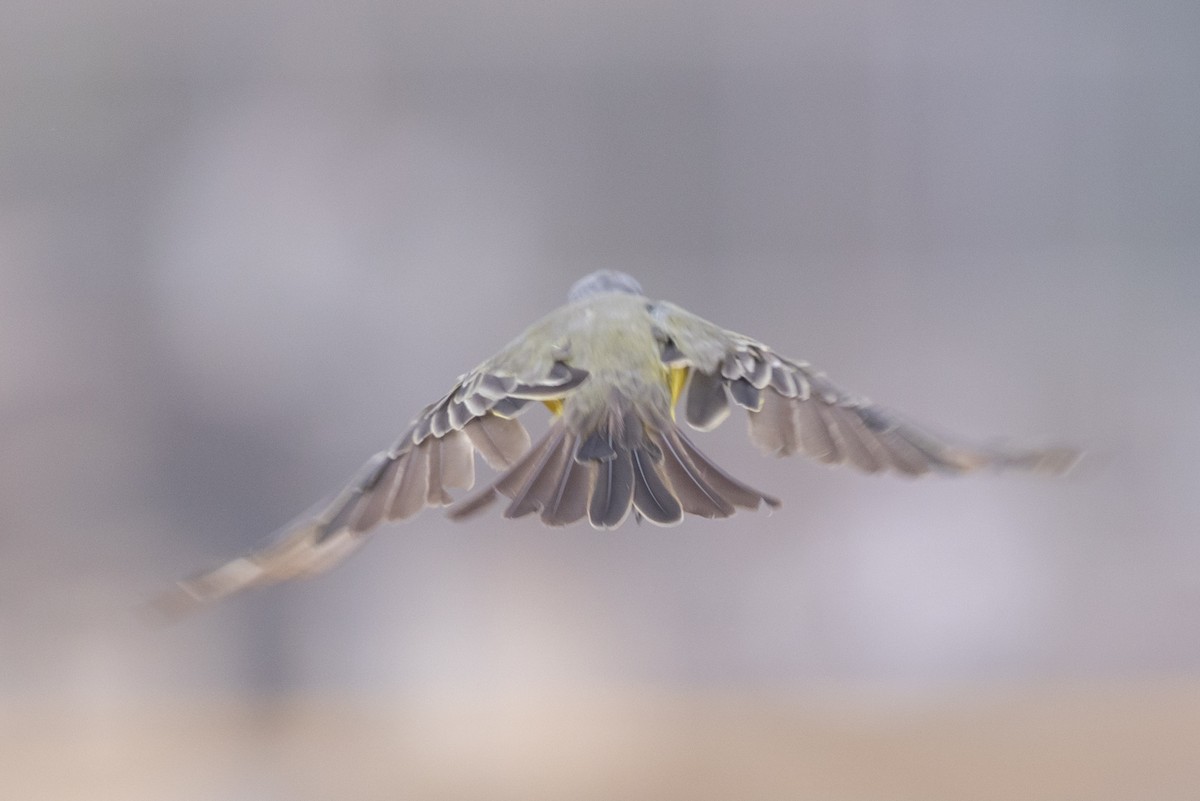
(611, 365)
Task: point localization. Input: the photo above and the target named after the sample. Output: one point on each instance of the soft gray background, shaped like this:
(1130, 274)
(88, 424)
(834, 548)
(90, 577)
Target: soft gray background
(242, 243)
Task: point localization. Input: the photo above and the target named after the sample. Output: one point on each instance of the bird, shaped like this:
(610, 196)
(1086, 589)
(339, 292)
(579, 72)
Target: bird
(613, 367)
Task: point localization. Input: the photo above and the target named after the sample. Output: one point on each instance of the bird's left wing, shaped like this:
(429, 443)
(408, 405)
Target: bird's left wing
(436, 453)
(794, 408)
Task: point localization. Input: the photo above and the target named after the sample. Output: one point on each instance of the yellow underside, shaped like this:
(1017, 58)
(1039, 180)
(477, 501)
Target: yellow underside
(676, 378)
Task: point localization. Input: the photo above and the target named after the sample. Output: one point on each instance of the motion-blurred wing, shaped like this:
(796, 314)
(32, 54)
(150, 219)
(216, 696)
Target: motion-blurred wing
(793, 408)
(436, 454)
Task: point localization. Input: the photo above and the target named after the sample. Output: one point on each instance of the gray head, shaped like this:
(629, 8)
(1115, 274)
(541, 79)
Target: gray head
(603, 281)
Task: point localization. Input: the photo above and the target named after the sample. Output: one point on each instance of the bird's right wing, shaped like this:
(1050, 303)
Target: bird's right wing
(436, 453)
(794, 408)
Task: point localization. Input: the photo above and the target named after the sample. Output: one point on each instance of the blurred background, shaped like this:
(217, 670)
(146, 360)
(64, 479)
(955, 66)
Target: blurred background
(241, 244)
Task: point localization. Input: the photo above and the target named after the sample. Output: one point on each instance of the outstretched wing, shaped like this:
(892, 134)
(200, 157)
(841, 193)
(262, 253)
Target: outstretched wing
(793, 408)
(435, 454)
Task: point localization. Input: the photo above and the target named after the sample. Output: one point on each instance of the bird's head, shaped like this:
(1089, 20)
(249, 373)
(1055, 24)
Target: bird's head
(603, 281)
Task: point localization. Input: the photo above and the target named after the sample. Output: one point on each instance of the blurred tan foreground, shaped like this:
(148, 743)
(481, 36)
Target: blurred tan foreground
(1122, 741)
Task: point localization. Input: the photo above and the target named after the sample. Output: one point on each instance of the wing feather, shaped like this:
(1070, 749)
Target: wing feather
(437, 452)
(793, 408)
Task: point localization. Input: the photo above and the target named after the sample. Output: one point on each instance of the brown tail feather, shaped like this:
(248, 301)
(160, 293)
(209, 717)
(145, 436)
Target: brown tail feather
(558, 486)
(651, 494)
(695, 494)
(545, 477)
(612, 492)
(725, 485)
(569, 501)
(660, 474)
(508, 484)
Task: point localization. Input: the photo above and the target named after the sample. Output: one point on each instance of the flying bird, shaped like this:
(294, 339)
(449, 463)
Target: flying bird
(612, 367)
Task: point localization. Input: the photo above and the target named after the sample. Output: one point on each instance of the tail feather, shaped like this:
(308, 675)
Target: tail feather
(508, 484)
(651, 495)
(544, 477)
(547, 480)
(570, 499)
(612, 494)
(695, 494)
(656, 473)
(732, 490)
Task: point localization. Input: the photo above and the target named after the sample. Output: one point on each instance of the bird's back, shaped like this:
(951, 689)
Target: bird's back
(611, 336)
